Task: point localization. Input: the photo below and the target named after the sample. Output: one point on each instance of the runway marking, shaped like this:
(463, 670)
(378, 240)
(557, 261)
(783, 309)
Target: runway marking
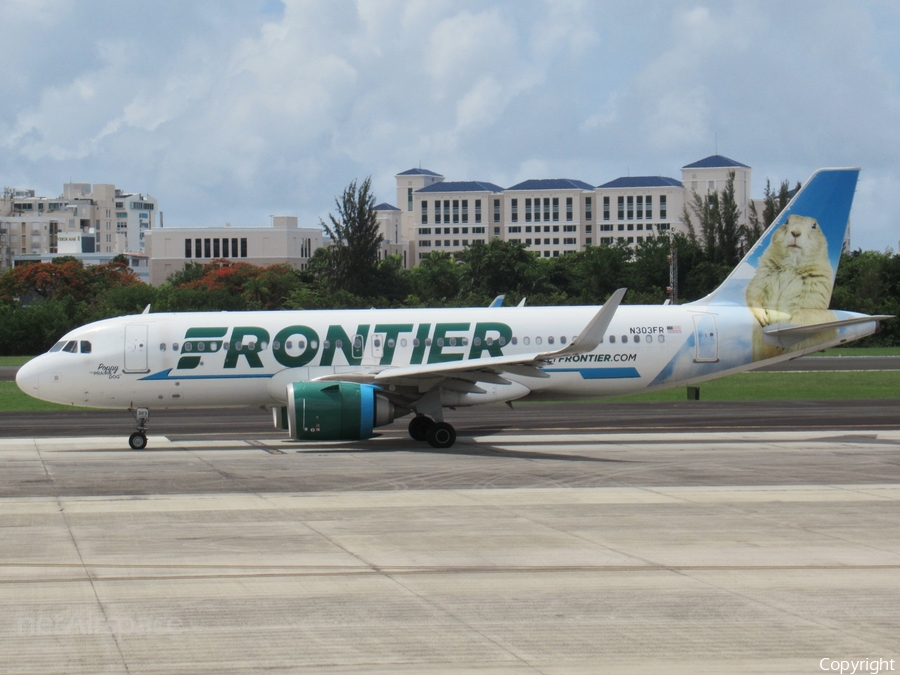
(266, 448)
(351, 571)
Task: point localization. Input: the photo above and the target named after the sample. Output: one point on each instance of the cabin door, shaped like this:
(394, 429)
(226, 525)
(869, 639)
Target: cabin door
(136, 348)
(706, 338)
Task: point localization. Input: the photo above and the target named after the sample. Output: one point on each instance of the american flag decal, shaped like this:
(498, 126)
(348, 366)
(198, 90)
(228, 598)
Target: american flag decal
(673, 329)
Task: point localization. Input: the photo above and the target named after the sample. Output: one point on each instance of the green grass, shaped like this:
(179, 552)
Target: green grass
(860, 351)
(14, 360)
(789, 386)
(12, 399)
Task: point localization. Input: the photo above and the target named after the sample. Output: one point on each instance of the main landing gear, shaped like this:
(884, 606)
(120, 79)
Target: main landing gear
(138, 440)
(438, 434)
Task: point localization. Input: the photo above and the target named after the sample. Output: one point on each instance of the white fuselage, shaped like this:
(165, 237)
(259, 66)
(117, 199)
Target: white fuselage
(216, 359)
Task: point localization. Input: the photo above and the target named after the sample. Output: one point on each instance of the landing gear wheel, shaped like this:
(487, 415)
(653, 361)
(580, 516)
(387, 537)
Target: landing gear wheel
(441, 435)
(137, 441)
(419, 426)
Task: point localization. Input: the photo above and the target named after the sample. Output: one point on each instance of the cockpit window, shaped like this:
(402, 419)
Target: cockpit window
(57, 346)
(85, 347)
(71, 346)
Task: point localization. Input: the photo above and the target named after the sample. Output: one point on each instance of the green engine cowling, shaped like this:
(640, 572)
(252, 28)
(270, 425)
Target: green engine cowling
(334, 411)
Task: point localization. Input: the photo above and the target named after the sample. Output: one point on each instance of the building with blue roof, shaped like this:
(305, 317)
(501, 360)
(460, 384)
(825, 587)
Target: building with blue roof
(419, 172)
(634, 208)
(554, 216)
(642, 181)
(461, 186)
(716, 162)
(710, 175)
(552, 184)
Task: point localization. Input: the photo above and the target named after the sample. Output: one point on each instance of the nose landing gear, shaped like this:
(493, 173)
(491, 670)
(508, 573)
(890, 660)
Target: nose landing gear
(138, 440)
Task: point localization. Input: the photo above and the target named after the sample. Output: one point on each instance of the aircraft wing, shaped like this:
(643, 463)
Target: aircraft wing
(785, 335)
(523, 364)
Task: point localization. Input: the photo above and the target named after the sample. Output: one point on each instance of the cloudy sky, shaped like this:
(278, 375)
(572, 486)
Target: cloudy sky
(233, 110)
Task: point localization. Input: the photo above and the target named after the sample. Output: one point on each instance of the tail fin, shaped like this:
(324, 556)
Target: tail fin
(804, 241)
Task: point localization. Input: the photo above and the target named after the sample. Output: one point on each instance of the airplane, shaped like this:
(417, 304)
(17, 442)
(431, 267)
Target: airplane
(339, 374)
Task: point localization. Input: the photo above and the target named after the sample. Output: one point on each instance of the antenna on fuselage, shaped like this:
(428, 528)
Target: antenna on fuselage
(146, 310)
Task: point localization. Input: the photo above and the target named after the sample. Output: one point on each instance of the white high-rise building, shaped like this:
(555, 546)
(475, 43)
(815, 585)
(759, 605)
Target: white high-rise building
(554, 217)
(106, 220)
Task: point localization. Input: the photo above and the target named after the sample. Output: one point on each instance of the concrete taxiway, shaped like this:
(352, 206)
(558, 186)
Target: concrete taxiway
(537, 544)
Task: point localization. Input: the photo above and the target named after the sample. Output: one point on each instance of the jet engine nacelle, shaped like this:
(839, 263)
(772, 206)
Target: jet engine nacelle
(334, 411)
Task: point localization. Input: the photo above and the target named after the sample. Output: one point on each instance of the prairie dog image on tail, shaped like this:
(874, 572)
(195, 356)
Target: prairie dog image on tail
(792, 284)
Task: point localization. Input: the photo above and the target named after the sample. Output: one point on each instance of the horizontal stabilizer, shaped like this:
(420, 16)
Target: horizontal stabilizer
(785, 335)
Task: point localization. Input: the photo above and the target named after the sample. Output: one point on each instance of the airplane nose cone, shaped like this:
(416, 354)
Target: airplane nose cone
(28, 379)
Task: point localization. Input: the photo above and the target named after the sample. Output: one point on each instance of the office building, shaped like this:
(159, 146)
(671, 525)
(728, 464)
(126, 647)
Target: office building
(171, 248)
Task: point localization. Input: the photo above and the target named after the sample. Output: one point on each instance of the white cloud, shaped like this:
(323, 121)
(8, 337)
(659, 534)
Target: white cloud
(231, 110)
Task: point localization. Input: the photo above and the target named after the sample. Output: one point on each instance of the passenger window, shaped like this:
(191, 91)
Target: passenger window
(537, 340)
(175, 346)
(440, 342)
(550, 340)
(189, 347)
(201, 346)
(276, 345)
(162, 346)
(391, 343)
(338, 344)
(263, 345)
(57, 346)
(416, 342)
(71, 347)
(427, 342)
(662, 338)
(452, 342)
(526, 340)
(489, 341)
(312, 345)
(85, 347)
(402, 342)
(501, 340)
(637, 338)
(612, 339)
(562, 340)
(465, 341)
(624, 339)
(515, 340)
(477, 341)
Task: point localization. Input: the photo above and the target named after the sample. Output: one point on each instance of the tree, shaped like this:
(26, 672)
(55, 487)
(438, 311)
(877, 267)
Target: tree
(601, 270)
(495, 268)
(437, 278)
(353, 256)
(721, 237)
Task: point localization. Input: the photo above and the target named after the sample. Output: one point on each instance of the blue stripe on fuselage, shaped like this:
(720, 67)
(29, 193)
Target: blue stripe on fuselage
(598, 373)
(164, 375)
